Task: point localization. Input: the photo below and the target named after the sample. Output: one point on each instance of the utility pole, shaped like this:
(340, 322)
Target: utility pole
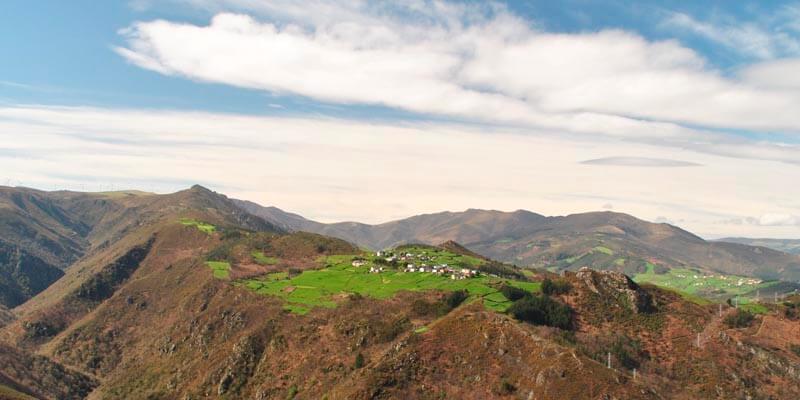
(609, 360)
(698, 340)
(720, 309)
(634, 374)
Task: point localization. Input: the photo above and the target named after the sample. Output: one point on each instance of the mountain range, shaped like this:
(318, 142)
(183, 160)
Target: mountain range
(184, 296)
(602, 240)
(791, 246)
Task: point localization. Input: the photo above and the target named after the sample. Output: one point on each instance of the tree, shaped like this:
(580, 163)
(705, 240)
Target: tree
(741, 319)
(513, 293)
(359, 361)
(551, 287)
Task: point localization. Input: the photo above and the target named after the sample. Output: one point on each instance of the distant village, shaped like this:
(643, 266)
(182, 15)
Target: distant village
(417, 263)
(737, 281)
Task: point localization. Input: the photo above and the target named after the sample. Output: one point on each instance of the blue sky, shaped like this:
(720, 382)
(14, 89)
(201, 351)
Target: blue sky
(62, 52)
(647, 107)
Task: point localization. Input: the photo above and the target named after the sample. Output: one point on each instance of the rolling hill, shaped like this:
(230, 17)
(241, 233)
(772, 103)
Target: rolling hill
(187, 296)
(604, 240)
(791, 246)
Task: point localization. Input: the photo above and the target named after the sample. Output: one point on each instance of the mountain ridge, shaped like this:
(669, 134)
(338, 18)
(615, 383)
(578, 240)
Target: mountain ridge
(791, 246)
(186, 295)
(601, 239)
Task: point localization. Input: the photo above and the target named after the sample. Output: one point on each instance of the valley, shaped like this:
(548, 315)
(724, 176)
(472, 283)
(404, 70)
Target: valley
(189, 296)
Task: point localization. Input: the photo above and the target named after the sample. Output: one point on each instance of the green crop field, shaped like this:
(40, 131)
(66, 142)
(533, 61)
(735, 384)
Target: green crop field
(203, 226)
(696, 283)
(260, 258)
(318, 288)
(221, 269)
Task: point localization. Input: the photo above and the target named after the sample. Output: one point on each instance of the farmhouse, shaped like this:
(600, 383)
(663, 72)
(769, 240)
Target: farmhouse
(359, 263)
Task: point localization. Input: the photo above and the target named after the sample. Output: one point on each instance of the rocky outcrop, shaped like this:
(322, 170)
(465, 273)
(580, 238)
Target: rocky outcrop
(611, 284)
(240, 365)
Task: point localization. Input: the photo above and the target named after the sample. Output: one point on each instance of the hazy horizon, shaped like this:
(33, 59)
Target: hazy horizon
(289, 209)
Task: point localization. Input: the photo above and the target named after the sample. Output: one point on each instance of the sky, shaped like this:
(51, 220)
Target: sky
(682, 112)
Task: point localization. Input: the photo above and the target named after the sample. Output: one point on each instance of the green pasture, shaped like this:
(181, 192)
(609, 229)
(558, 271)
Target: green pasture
(700, 284)
(262, 259)
(220, 269)
(440, 256)
(319, 288)
(203, 226)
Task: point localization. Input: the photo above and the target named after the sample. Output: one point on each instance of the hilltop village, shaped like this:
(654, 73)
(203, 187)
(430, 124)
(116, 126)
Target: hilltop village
(416, 260)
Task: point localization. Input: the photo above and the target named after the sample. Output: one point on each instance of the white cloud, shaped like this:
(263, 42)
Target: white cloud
(345, 170)
(467, 62)
(779, 220)
(639, 162)
(777, 75)
(755, 38)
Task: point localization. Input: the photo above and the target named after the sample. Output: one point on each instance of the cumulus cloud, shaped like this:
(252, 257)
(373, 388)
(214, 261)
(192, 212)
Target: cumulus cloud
(468, 62)
(639, 162)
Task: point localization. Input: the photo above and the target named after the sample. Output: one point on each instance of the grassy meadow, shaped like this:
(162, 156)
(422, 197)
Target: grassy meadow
(705, 285)
(220, 269)
(320, 288)
(203, 226)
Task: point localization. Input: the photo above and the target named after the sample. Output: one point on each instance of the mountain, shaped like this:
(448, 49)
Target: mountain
(791, 246)
(44, 233)
(186, 296)
(603, 240)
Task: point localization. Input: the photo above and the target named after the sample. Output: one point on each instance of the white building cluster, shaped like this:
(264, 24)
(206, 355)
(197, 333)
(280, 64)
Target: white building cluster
(421, 263)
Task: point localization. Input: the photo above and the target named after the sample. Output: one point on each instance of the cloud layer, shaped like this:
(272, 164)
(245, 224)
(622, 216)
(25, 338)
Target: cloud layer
(639, 162)
(344, 170)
